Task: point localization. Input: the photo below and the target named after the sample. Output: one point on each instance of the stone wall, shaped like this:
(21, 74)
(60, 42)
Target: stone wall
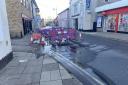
(14, 11)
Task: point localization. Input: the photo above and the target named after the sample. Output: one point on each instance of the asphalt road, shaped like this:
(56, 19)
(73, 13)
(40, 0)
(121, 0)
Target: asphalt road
(107, 57)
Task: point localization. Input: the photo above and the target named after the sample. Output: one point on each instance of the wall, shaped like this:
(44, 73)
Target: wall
(5, 43)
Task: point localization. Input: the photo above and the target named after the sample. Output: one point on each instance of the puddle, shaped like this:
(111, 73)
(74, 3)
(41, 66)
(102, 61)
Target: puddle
(98, 48)
(73, 52)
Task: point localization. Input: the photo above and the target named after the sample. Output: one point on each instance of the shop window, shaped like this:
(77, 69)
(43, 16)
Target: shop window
(111, 22)
(123, 22)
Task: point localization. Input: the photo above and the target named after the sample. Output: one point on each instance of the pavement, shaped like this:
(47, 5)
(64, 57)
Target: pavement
(26, 68)
(110, 35)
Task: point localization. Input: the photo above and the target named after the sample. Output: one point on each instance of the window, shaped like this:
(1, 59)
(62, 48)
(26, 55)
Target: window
(21, 1)
(107, 0)
(27, 4)
(24, 2)
(75, 8)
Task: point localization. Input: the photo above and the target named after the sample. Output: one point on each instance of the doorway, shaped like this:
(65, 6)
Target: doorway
(27, 26)
(76, 23)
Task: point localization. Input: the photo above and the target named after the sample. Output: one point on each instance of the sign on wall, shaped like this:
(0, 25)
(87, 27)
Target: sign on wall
(88, 4)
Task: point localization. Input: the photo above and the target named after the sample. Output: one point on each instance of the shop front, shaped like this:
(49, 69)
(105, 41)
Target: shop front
(123, 22)
(115, 20)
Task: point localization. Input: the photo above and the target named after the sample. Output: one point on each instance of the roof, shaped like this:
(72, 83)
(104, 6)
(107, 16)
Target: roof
(118, 4)
(63, 11)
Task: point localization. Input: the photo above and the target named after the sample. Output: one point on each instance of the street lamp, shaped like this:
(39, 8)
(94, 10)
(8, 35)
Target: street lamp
(55, 9)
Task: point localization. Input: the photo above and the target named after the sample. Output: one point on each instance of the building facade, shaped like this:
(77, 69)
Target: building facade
(36, 15)
(113, 16)
(5, 43)
(63, 19)
(20, 15)
(82, 14)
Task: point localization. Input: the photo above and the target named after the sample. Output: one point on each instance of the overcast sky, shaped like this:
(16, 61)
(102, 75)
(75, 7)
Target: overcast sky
(47, 6)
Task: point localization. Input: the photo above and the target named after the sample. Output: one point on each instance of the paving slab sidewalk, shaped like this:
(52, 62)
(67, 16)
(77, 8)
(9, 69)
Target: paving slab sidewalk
(28, 69)
(55, 74)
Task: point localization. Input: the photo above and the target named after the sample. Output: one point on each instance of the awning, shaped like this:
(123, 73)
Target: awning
(118, 4)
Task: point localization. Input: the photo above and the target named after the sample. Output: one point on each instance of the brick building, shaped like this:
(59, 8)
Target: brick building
(20, 17)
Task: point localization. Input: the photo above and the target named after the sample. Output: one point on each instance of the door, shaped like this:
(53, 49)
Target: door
(24, 26)
(76, 23)
(111, 22)
(27, 26)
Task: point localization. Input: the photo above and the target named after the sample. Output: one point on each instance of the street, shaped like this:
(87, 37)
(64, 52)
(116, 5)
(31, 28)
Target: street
(90, 59)
(107, 57)
(64, 42)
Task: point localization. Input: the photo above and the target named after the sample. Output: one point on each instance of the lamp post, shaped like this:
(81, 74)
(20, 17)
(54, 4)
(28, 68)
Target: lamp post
(55, 9)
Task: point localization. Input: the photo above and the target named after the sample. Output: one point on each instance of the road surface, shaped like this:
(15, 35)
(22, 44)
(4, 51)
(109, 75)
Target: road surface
(106, 57)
